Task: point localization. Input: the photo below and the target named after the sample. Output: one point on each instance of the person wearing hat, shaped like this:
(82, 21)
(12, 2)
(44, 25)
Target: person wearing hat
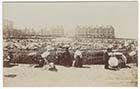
(106, 58)
(51, 65)
(10, 56)
(77, 58)
(112, 62)
(8, 60)
(45, 55)
(67, 57)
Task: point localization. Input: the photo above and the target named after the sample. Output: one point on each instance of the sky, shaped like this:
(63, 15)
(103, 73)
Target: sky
(123, 16)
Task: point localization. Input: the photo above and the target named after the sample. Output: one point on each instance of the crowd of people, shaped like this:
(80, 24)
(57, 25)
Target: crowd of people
(25, 44)
(85, 43)
(104, 43)
(77, 45)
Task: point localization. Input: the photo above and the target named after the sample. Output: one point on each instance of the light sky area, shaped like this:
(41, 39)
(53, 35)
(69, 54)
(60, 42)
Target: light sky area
(123, 16)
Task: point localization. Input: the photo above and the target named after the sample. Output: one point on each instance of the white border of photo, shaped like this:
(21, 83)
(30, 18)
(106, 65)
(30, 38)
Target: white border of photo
(1, 49)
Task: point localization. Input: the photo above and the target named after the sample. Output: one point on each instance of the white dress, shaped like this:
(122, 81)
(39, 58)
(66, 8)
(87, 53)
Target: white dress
(78, 53)
(45, 54)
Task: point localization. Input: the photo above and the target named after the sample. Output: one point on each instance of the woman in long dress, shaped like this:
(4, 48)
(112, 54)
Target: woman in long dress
(77, 59)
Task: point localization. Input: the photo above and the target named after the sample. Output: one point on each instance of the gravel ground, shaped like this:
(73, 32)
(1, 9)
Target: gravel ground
(25, 75)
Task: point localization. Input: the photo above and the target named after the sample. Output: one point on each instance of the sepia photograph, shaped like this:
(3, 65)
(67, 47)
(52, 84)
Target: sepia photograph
(70, 44)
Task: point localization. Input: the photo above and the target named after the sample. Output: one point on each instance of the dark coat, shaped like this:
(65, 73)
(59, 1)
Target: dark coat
(106, 58)
(67, 58)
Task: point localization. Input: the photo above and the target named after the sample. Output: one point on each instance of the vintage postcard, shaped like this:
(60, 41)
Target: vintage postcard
(70, 44)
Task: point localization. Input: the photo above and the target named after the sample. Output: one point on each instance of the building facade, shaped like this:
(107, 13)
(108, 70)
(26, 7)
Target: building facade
(7, 24)
(56, 31)
(95, 31)
(7, 27)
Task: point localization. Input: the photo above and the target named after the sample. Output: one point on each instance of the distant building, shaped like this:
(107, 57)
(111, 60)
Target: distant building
(56, 31)
(95, 32)
(7, 27)
(7, 24)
